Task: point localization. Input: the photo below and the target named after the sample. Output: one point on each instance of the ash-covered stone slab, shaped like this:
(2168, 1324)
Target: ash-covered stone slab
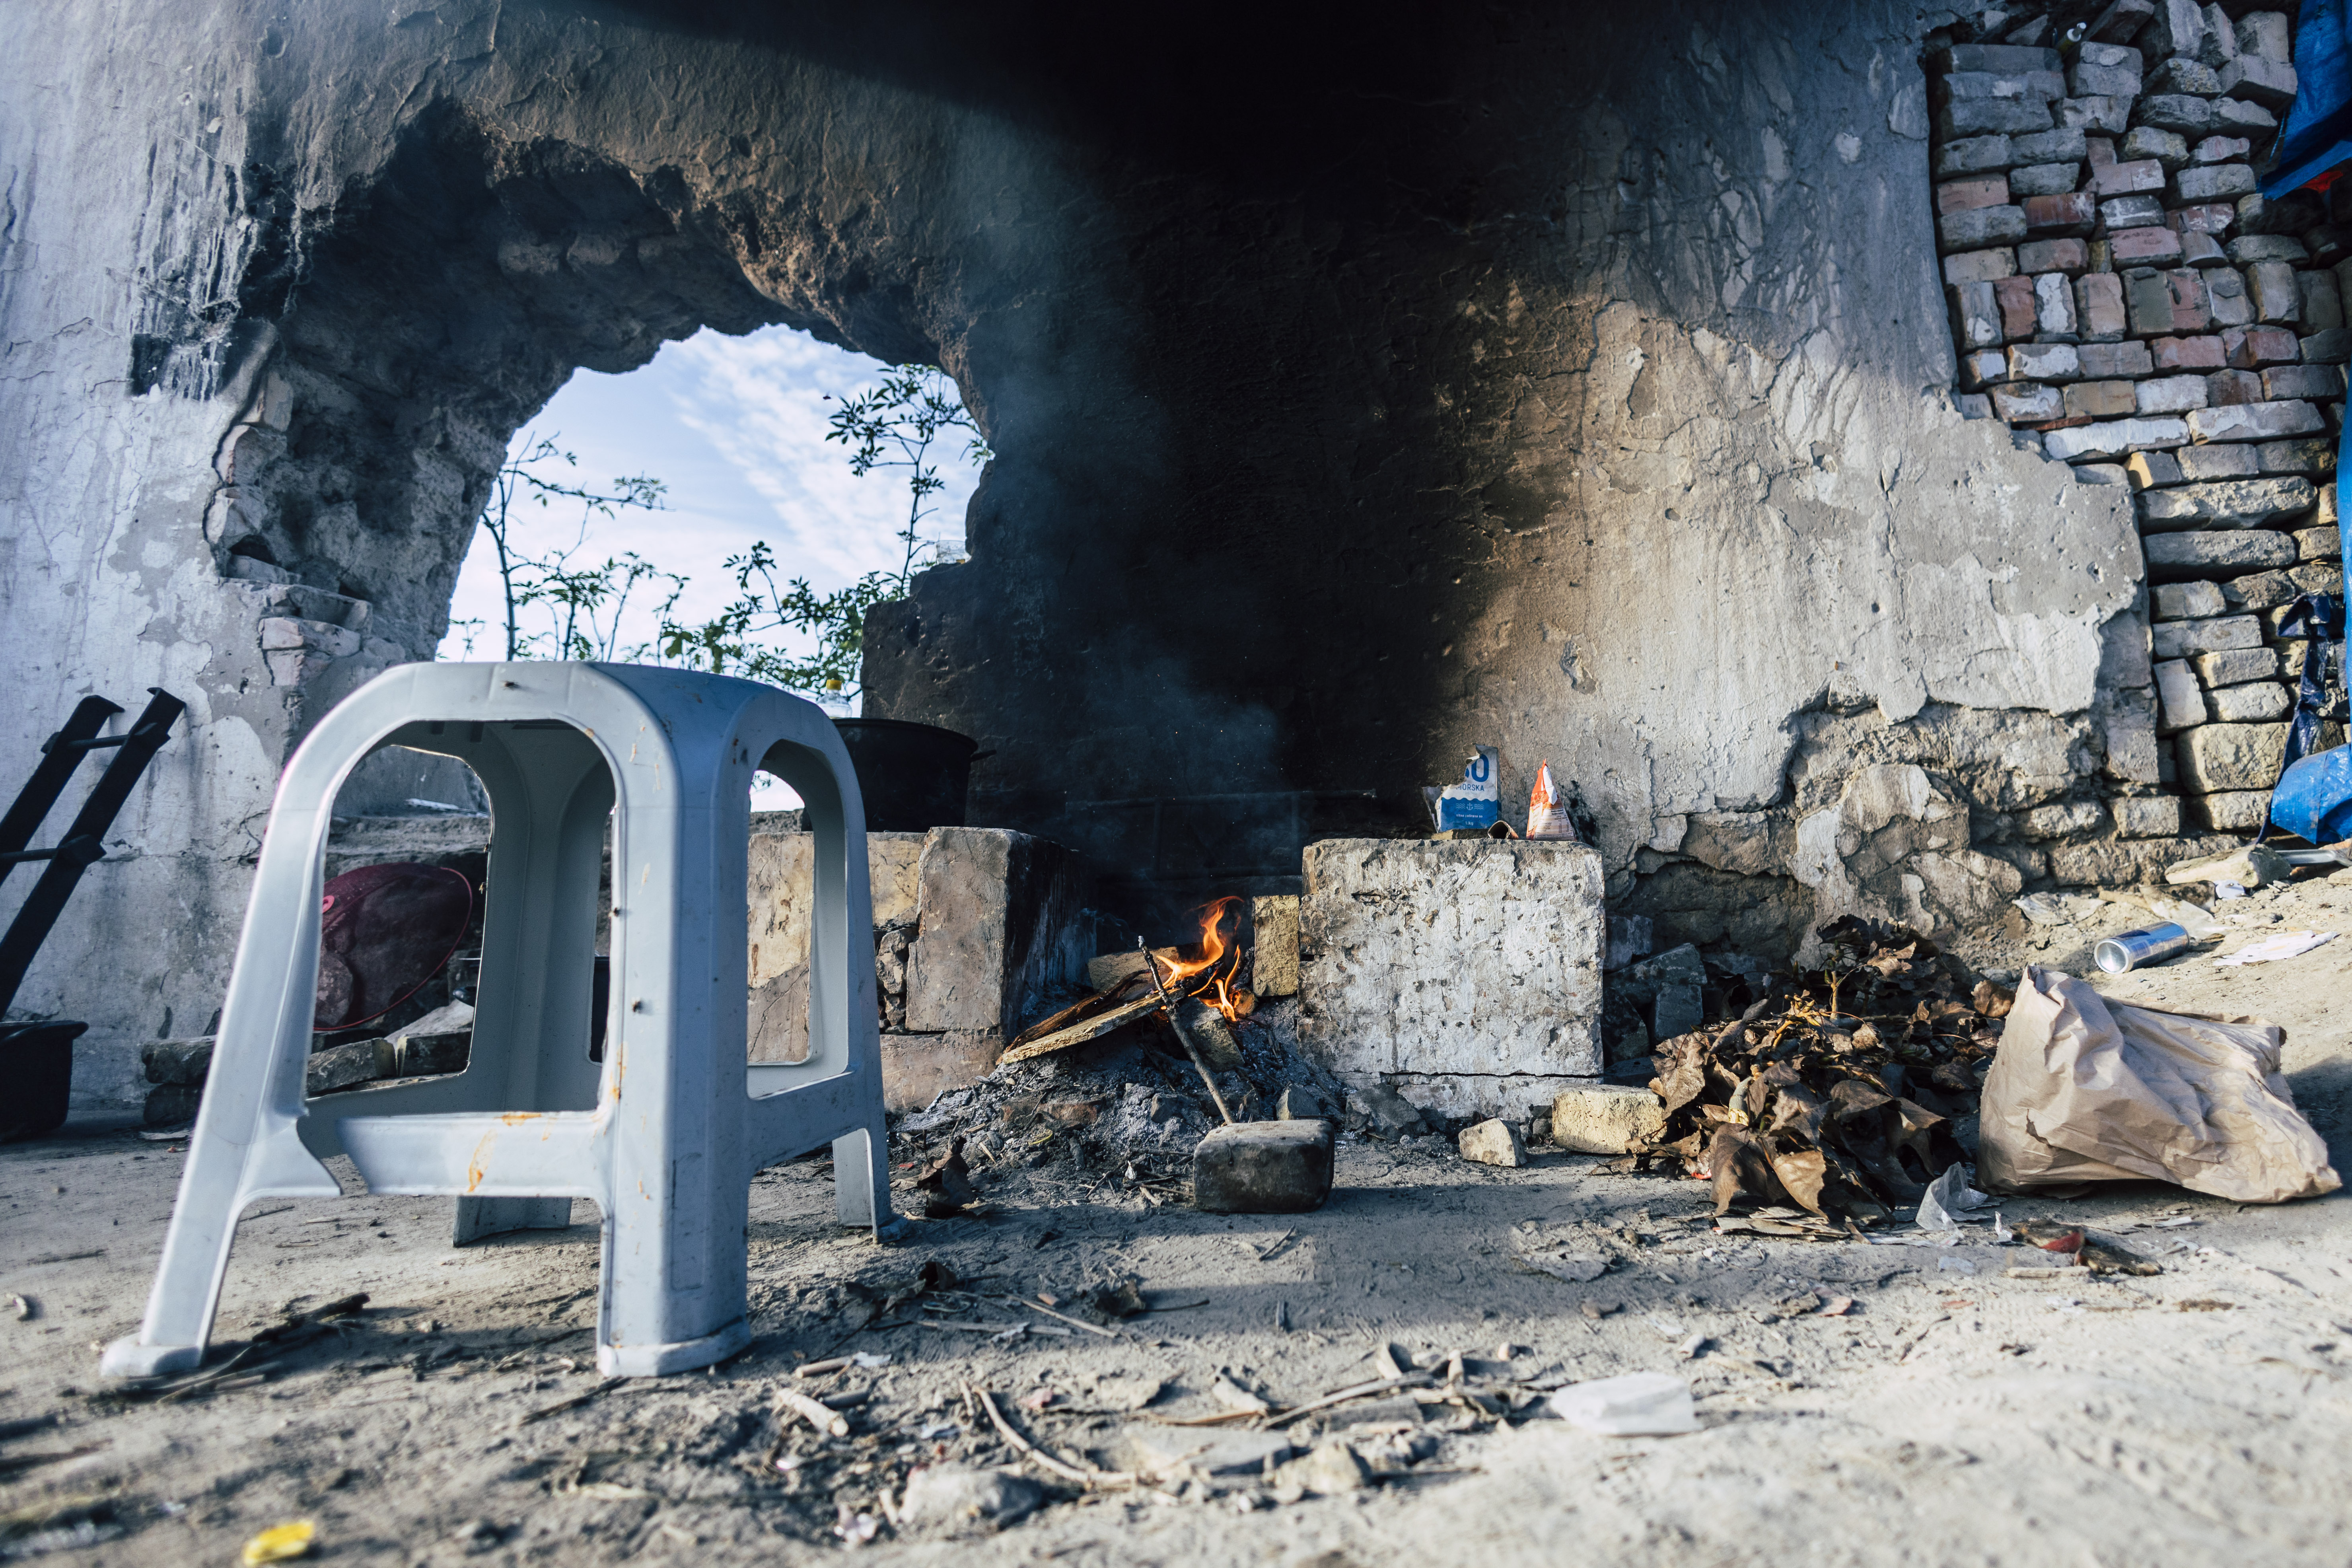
(1458, 965)
(1262, 1167)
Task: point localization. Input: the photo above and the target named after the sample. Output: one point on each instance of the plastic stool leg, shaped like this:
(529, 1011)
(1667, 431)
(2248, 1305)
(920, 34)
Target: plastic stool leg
(861, 1177)
(478, 1217)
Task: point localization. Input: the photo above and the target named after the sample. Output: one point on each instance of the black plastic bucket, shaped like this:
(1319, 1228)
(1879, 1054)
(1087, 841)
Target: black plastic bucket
(913, 776)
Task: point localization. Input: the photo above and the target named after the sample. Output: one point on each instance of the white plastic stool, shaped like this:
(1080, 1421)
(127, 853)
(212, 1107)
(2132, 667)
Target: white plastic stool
(666, 1136)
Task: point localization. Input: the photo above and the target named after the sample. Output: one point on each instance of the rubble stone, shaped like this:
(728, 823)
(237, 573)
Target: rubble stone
(2065, 819)
(2263, 82)
(183, 1063)
(2324, 544)
(2259, 590)
(1605, 1119)
(1895, 847)
(1466, 959)
(1262, 1167)
(2147, 816)
(2124, 862)
(1493, 1143)
(2213, 758)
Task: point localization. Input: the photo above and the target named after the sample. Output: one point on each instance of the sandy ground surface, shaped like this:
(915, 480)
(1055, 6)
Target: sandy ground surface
(1952, 1414)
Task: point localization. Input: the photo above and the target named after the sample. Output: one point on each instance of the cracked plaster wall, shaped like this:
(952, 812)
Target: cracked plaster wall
(1578, 383)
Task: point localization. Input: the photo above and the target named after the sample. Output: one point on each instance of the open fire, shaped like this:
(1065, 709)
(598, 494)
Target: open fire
(1218, 968)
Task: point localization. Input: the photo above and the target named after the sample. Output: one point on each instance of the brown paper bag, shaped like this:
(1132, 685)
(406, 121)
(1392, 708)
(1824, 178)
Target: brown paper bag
(2088, 1091)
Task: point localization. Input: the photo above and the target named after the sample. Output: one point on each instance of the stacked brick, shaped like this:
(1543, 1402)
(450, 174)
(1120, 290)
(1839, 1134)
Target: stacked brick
(2124, 299)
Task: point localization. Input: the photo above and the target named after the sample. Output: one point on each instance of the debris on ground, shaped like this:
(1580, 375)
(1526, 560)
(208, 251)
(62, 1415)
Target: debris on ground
(1638, 1405)
(958, 1500)
(2272, 949)
(1841, 1089)
(280, 1543)
(2088, 1091)
(1493, 1143)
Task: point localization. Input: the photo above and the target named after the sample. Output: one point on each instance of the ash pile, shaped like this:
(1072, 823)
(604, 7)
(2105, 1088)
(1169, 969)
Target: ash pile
(1844, 1092)
(1105, 1095)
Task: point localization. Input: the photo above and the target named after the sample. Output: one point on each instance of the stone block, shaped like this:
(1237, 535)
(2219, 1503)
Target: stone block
(2177, 27)
(172, 1104)
(2217, 758)
(2019, 309)
(2102, 360)
(1979, 267)
(1274, 946)
(2147, 816)
(2064, 819)
(2184, 112)
(2100, 474)
(2099, 307)
(429, 1055)
(2230, 811)
(1451, 960)
(2316, 577)
(1299, 1102)
(2235, 552)
(1975, 317)
(2213, 182)
(2085, 80)
(346, 1066)
(2260, 591)
(2063, 145)
(2228, 389)
(2169, 395)
(2203, 354)
(1962, 116)
(2191, 306)
(2256, 704)
(2027, 402)
(2249, 248)
(2255, 421)
(2254, 348)
(2149, 471)
(2070, 257)
(2322, 300)
(1667, 990)
(919, 1068)
(2013, 86)
(2121, 213)
(2235, 503)
(2045, 180)
(2126, 862)
(2165, 149)
(2053, 308)
(1493, 1143)
(2148, 296)
(2317, 382)
(2114, 439)
(1262, 1167)
(1606, 1118)
(1966, 196)
(1978, 228)
(183, 1062)
(2180, 701)
(2185, 76)
(2213, 219)
(2184, 601)
(2265, 33)
(2304, 455)
(2044, 362)
(1974, 155)
(2108, 114)
(2258, 81)
(2149, 246)
(2333, 346)
(2179, 639)
(2239, 115)
(2199, 250)
(2235, 666)
(2277, 300)
(1001, 919)
(2221, 150)
(2101, 400)
(2321, 544)
(778, 888)
(2228, 461)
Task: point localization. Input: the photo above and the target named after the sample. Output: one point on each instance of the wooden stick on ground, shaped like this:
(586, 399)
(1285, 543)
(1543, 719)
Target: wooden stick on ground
(1068, 1472)
(1074, 1322)
(825, 1418)
(1168, 1005)
(1379, 1385)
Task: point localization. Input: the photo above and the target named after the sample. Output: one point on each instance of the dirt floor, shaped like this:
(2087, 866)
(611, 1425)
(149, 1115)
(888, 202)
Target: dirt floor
(1950, 1413)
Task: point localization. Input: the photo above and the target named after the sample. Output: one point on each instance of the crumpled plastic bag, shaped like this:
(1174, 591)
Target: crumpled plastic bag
(2083, 1090)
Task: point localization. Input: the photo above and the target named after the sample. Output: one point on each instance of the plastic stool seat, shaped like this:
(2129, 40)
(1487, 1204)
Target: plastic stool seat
(664, 1136)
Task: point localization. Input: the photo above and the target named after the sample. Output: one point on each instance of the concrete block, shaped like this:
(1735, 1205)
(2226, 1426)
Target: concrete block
(2147, 816)
(1274, 946)
(2254, 421)
(1001, 919)
(2219, 758)
(1493, 1143)
(2235, 503)
(2179, 639)
(1605, 1119)
(1452, 961)
(1262, 1167)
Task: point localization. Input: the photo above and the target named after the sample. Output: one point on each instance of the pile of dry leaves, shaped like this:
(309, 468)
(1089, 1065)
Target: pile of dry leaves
(1837, 1092)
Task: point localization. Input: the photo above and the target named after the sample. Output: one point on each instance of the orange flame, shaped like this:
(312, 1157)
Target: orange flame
(1223, 992)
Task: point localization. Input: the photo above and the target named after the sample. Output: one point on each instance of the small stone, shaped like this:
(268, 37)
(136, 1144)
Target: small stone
(1262, 1167)
(958, 1500)
(1331, 1468)
(1494, 1142)
(1300, 1103)
(1605, 1119)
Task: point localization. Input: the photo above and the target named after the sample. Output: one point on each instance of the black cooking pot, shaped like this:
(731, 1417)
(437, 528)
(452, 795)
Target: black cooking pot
(913, 776)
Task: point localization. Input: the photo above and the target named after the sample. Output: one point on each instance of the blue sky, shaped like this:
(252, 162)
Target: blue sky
(736, 427)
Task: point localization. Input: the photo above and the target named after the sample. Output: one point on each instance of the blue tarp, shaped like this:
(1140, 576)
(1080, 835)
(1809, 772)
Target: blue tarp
(2318, 134)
